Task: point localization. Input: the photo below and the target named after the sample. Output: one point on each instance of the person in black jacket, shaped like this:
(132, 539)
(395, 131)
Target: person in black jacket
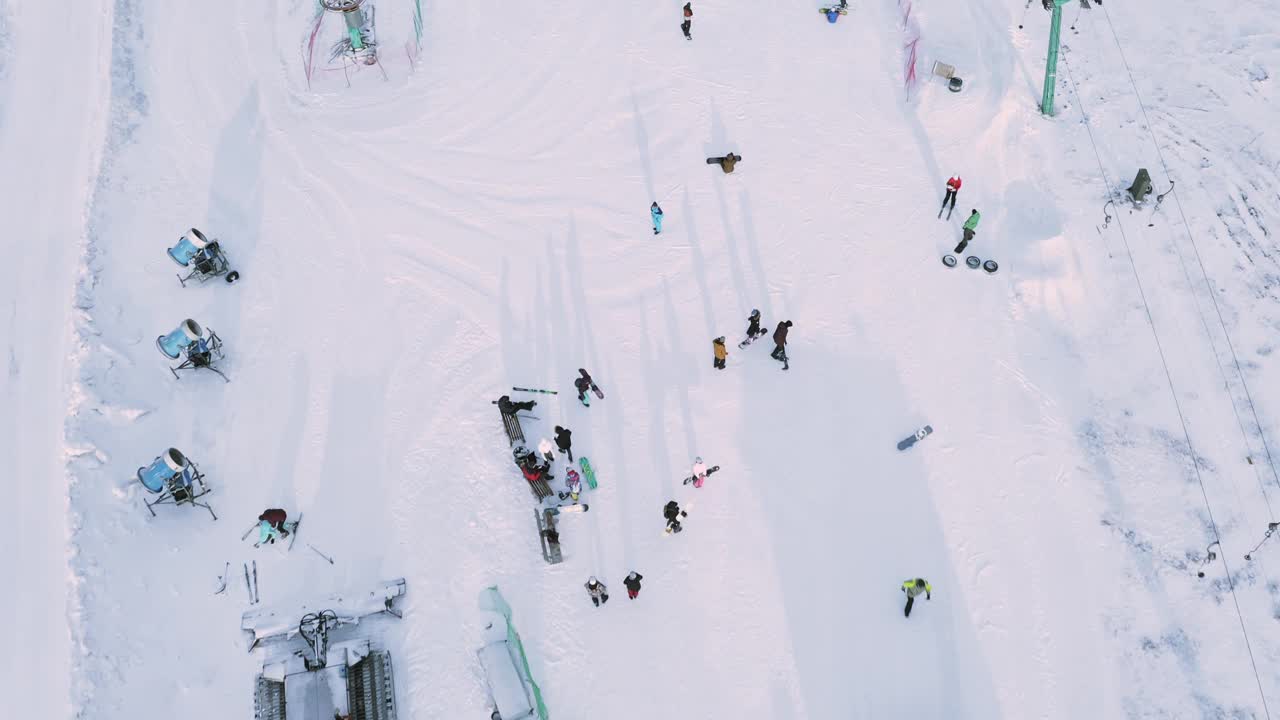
(507, 407)
(633, 584)
(780, 340)
(672, 512)
(564, 441)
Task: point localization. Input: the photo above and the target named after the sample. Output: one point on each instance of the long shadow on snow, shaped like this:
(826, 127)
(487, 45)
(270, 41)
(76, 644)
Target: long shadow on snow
(850, 520)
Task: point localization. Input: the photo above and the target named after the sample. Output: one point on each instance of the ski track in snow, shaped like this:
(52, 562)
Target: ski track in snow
(411, 248)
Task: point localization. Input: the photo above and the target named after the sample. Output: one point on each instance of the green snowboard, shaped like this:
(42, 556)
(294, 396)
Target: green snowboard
(587, 472)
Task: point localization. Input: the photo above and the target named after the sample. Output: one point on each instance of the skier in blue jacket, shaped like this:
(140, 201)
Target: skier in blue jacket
(656, 213)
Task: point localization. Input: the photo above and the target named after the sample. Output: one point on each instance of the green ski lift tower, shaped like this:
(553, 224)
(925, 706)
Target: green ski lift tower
(1051, 62)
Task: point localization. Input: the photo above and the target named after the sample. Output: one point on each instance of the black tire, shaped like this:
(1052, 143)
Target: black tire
(973, 262)
(233, 276)
(991, 266)
(949, 260)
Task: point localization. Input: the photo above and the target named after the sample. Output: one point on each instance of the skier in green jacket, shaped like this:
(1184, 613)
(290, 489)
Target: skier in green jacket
(913, 588)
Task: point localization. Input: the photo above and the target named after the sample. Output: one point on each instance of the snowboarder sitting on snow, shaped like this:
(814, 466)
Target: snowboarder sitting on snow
(672, 512)
(780, 340)
(913, 588)
(753, 324)
(564, 441)
(271, 526)
(971, 225)
(633, 584)
(599, 593)
(728, 162)
(507, 407)
(573, 484)
(656, 213)
(717, 346)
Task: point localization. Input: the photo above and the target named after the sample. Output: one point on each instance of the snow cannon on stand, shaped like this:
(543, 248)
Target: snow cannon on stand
(325, 665)
(198, 347)
(175, 480)
(204, 258)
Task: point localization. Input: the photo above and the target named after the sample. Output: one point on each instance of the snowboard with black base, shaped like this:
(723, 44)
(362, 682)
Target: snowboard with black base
(692, 478)
(592, 383)
(919, 435)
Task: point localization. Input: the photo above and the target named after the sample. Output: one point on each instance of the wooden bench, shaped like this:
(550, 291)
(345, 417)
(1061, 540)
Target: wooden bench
(511, 424)
(541, 490)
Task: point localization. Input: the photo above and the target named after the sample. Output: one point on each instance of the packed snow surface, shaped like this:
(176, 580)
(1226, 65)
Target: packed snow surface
(414, 238)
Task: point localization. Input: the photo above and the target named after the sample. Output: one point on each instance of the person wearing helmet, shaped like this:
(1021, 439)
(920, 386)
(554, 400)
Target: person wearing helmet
(699, 472)
(655, 213)
(572, 483)
(598, 592)
(717, 347)
(753, 324)
(632, 582)
(583, 385)
(913, 588)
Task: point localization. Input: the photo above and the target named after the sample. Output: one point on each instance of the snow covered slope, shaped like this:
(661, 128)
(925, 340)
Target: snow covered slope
(411, 247)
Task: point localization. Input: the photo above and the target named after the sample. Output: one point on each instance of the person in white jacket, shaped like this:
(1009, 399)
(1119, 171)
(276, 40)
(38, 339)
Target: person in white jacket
(544, 447)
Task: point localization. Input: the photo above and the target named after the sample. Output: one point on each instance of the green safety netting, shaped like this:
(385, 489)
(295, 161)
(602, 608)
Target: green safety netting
(491, 599)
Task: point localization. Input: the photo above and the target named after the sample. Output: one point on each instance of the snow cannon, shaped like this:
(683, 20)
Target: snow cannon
(202, 256)
(180, 338)
(198, 347)
(358, 43)
(175, 480)
(324, 665)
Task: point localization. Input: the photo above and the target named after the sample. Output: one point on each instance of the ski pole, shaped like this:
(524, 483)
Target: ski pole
(245, 536)
(536, 390)
(326, 557)
(223, 578)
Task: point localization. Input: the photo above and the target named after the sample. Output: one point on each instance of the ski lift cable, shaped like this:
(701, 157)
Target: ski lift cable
(1159, 347)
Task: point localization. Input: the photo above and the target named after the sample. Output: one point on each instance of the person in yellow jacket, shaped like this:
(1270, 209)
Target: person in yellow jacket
(717, 346)
(913, 588)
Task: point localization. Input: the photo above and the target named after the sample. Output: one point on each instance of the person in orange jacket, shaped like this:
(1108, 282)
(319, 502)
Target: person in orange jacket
(717, 346)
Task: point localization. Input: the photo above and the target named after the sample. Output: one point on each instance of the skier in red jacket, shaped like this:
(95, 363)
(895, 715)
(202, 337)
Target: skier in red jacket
(953, 188)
